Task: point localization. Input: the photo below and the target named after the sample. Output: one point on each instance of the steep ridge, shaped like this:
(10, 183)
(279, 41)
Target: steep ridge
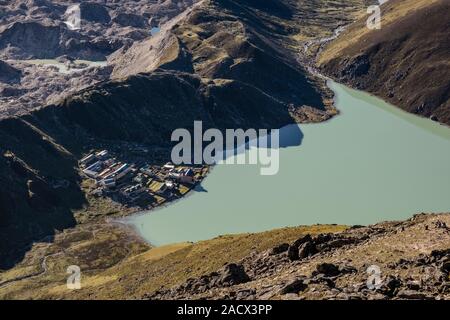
(233, 40)
(405, 62)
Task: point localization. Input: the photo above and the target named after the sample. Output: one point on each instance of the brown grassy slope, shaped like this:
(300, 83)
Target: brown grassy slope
(139, 274)
(115, 266)
(94, 247)
(406, 62)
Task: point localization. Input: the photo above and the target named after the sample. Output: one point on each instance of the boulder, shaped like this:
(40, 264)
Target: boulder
(302, 240)
(232, 274)
(391, 285)
(295, 286)
(293, 253)
(307, 249)
(31, 39)
(245, 294)
(328, 269)
(279, 249)
(445, 268)
(347, 269)
(293, 250)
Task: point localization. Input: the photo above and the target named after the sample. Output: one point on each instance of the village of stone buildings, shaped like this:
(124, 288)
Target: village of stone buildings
(138, 183)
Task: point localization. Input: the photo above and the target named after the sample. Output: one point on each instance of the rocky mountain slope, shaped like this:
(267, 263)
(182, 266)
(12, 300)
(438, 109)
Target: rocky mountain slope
(406, 62)
(402, 260)
(338, 266)
(232, 40)
(37, 29)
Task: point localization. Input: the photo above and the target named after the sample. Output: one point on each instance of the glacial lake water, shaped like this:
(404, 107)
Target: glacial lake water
(155, 30)
(373, 162)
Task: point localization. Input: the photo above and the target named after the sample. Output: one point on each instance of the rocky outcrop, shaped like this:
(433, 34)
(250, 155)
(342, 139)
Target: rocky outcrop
(361, 263)
(230, 275)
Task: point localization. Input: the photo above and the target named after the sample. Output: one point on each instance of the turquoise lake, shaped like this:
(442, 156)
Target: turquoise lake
(371, 163)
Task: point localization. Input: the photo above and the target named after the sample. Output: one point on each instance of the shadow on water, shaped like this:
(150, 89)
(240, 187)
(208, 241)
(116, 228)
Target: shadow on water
(291, 136)
(199, 188)
(286, 137)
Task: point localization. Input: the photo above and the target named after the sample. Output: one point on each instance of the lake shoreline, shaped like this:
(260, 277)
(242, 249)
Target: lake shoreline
(390, 117)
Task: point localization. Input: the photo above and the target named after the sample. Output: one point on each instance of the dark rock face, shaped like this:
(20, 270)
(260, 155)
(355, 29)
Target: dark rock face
(328, 269)
(29, 208)
(391, 286)
(294, 287)
(32, 37)
(307, 246)
(9, 74)
(232, 274)
(35, 40)
(94, 12)
(7, 91)
(445, 268)
(280, 249)
(358, 68)
(129, 19)
(307, 249)
(293, 251)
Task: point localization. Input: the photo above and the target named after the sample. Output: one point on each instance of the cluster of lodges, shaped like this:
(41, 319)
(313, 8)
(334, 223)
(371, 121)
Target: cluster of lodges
(104, 169)
(131, 183)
